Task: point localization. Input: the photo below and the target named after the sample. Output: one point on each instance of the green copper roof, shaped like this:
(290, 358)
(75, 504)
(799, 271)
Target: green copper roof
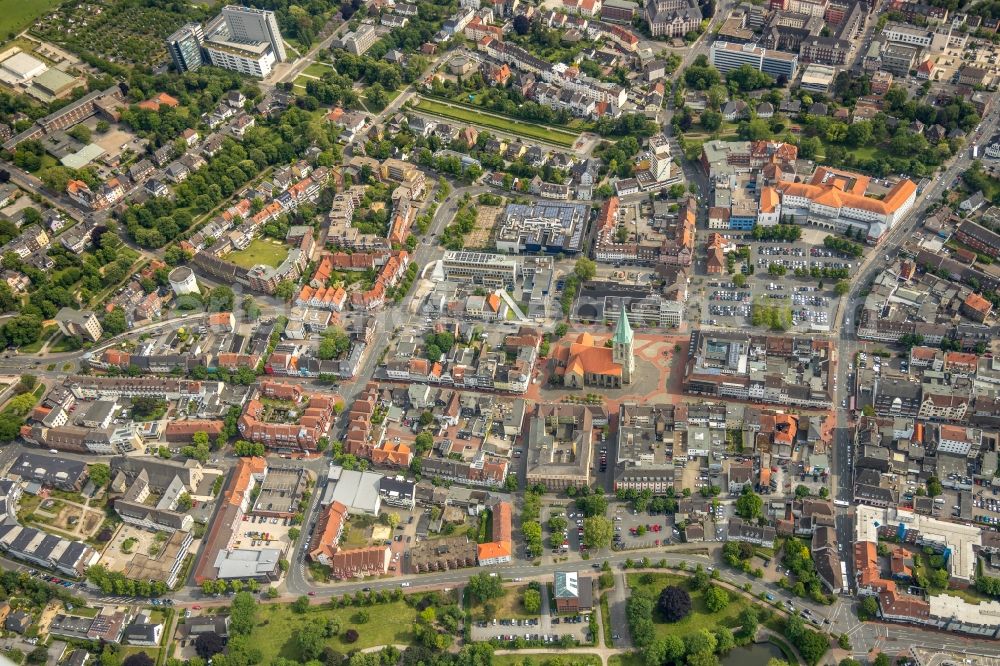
(623, 333)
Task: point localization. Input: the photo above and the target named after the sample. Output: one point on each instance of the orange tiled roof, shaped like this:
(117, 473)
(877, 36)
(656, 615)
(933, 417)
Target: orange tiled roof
(245, 471)
(768, 199)
(978, 303)
(491, 550)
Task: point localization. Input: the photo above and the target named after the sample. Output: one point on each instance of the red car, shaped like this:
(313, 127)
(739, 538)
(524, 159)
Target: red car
(196, 607)
(312, 594)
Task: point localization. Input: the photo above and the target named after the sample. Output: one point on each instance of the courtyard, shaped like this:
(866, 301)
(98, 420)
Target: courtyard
(260, 251)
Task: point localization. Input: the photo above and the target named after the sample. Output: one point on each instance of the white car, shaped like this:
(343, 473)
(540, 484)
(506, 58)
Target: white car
(404, 584)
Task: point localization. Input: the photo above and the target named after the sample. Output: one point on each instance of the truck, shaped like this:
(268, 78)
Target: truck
(841, 502)
(975, 151)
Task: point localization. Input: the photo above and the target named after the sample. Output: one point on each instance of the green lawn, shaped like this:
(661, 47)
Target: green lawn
(509, 125)
(276, 625)
(62, 345)
(260, 251)
(317, 69)
(575, 658)
(16, 15)
(507, 607)
(700, 617)
(36, 346)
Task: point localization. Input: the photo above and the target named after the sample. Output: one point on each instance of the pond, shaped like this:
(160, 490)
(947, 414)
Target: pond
(757, 654)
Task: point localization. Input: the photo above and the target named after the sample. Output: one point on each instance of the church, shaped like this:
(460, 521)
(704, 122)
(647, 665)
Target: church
(585, 363)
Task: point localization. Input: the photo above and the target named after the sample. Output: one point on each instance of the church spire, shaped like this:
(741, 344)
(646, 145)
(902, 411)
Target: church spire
(623, 332)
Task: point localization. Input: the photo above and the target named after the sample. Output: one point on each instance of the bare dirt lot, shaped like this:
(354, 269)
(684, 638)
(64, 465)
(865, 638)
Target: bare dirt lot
(486, 220)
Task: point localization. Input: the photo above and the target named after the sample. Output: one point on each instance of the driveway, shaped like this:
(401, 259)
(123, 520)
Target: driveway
(616, 607)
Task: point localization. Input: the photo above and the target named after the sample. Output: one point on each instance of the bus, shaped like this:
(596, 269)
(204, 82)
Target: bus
(840, 502)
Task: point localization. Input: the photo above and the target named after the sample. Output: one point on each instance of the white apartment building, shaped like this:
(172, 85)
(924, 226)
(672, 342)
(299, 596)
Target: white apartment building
(255, 60)
(906, 34)
(249, 25)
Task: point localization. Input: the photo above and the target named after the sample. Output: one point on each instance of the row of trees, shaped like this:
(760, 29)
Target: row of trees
(115, 582)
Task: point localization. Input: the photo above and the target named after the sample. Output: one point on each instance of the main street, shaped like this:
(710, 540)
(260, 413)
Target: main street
(845, 323)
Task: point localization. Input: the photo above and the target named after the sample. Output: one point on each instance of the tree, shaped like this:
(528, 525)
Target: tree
(423, 443)
(701, 641)
(532, 601)
(934, 487)
(39, 655)
(27, 383)
(100, 474)
(242, 614)
(716, 598)
(350, 636)
(749, 506)
(844, 642)
(333, 344)
(882, 660)
(139, 658)
(484, 587)
(209, 644)
(749, 620)
(309, 639)
(842, 287)
(740, 280)
(869, 607)
(597, 531)
(81, 133)
(301, 605)
(184, 503)
(522, 24)
(585, 269)
(674, 603)
(711, 120)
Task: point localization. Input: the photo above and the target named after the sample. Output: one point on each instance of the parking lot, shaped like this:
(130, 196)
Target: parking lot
(805, 290)
(546, 628)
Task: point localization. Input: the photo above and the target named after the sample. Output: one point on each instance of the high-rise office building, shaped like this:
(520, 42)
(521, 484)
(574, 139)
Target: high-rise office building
(185, 47)
(250, 25)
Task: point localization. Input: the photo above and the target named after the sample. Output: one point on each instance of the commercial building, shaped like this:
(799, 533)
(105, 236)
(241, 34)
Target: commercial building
(899, 59)
(542, 227)
(559, 444)
(491, 270)
(646, 438)
(726, 57)
(184, 47)
(573, 592)
(818, 78)
(50, 471)
(771, 369)
(357, 491)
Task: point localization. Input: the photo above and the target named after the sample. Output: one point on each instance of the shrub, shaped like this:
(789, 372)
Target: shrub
(674, 603)
(350, 636)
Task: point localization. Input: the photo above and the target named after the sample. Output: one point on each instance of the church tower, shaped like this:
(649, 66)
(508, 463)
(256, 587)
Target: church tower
(621, 346)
